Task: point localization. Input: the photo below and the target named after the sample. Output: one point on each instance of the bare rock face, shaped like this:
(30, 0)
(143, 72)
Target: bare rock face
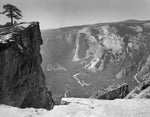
(141, 91)
(112, 93)
(81, 60)
(22, 82)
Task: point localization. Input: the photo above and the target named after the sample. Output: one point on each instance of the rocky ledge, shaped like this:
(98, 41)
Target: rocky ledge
(141, 91)
(22, 82)
(111, 93)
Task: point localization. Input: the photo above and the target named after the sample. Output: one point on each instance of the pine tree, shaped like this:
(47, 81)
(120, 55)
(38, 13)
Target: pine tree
(12, 12)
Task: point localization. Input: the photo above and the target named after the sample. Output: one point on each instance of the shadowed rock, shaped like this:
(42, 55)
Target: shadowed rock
(112, 93)
(22, 82)
(141, 91)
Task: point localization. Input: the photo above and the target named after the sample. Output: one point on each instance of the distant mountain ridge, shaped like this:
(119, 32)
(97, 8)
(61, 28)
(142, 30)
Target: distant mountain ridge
(100, 55)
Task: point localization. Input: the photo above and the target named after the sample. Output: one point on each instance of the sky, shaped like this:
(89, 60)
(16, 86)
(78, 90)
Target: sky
(61, 13)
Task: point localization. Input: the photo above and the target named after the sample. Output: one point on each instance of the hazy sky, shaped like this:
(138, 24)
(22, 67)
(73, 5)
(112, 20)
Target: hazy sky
(61, 13)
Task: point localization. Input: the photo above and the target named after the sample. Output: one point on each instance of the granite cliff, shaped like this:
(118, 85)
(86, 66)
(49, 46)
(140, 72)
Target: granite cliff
(142, 91)
(79, 61)
(22, 81)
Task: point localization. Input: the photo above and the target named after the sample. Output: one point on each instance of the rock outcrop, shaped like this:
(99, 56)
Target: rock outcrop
(141, 91)
(22, 81)
(112, 93)
(94, 57)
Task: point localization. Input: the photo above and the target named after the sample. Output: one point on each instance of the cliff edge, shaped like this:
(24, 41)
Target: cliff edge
(22, 82)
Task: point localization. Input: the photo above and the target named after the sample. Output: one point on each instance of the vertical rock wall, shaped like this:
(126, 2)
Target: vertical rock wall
(22, 82)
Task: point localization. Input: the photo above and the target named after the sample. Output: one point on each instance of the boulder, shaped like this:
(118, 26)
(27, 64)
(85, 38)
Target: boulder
(112, 93)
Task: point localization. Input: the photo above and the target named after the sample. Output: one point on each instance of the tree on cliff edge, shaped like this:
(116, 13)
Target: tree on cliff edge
(12, 12)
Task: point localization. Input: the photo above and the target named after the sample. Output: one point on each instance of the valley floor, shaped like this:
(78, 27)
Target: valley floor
(79, 107)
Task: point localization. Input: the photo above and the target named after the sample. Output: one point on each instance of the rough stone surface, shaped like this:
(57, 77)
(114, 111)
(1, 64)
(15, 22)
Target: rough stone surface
(112, 92)
(22, 81)
(141, 91)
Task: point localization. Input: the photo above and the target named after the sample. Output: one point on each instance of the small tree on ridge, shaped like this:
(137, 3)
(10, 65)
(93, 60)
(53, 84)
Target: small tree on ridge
(12, 12)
